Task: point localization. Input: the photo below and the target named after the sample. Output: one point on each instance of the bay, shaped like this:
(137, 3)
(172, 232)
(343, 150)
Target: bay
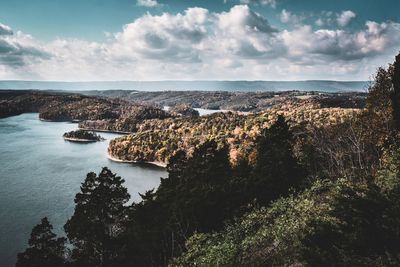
(40, 174)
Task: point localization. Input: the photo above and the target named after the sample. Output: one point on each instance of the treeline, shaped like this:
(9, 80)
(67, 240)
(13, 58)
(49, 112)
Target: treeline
(235, 100)
(320, 197)
(17, 102)
(101, 113)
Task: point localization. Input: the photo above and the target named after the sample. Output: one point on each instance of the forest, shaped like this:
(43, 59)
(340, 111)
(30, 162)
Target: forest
(304, 194)
(158, 139)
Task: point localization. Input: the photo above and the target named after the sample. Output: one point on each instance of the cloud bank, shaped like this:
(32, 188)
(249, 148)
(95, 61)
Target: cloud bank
(199, 44)
(19, 53)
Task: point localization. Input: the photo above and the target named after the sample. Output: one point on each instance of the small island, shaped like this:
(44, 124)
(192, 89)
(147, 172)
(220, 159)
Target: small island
(82, 136)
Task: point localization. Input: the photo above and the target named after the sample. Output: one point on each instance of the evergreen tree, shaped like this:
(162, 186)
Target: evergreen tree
(177, 165)
(45, 249)
(276, 169)
(199, 193)
(96, 224)
(192, 198)
(146, 235)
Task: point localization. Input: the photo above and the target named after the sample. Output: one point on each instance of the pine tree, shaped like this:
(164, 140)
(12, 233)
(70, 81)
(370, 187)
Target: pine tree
(97, 221)
(192, 198)
(45, 249)
(176, 165)
(276, 169)
(200, 197)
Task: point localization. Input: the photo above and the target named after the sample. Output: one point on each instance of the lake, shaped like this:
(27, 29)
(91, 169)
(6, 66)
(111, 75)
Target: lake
(40, 174)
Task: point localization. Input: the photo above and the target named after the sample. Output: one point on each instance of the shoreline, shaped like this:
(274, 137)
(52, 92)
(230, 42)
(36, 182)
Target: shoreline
(155, 163)
(77, 140)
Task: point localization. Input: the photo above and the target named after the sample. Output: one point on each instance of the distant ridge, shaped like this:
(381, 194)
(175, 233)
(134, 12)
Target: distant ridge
(310, 85)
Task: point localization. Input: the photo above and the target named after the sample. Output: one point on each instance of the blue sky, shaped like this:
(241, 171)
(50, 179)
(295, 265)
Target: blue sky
(89, 19)
(196, 39)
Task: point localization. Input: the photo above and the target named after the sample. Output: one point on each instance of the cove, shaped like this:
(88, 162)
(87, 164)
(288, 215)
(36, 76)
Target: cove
(40, 173)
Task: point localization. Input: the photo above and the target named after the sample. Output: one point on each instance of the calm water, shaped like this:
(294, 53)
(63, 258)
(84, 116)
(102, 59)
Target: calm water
(40, 174)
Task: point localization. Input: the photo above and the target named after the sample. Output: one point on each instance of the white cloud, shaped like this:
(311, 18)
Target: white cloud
(285, 16)
(244, 33)
(5, 30)
(147, 3)
(196, 35)
(18, 50)
(319, 22)
(344, 18)
(259, 2)
(198, 44)
(167, 37)
(290, 18)
(339, 45)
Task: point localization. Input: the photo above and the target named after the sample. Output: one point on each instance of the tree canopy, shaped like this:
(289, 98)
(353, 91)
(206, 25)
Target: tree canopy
(45, 249)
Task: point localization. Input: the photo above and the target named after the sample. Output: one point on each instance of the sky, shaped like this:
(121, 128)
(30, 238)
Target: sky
(104, 40)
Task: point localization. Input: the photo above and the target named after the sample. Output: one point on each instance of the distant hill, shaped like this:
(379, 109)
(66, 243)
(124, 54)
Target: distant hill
(312, 85)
